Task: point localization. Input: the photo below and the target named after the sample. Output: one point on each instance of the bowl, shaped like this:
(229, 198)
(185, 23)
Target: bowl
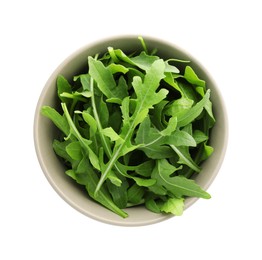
(45, 132)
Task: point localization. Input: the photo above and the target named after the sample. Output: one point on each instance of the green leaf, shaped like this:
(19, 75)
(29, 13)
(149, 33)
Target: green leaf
(146, 91)
(140, 38)
(71, 173)
(110, 132)
(74, 149)
(102, 111)
(187, 90)
(208, 108)
(150, 141)
(59, 120)
(114, 179)
(169, 79)
(85, 175)
(185, 157)
(157, 116)
(63, 86)
(116, 68)
(135, 193)
(145, 134)
(171, 68)
(77, 95)
(179, 186)
(125, 110)
(152, 206)
(102, 196)
(144, 182)
(174, 206)
(93, 158)
(60, 149)
(118, 193)
(194, 112)
(192, 77)
(91, 122)
(180, 138)
(119, 55)
(157, 151)
(84, 142)
(115, 120)
(178, 107)
(85, 81)
(171, 127)
(208, 150)
(145, 169)
(105, 80)
(199, 136)
(144, 61)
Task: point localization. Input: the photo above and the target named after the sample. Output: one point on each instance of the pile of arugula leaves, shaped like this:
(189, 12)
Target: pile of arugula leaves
(134, 129)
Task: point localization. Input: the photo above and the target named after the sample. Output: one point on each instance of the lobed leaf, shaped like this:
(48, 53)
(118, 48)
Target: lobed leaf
(179, 186)
(105, 80)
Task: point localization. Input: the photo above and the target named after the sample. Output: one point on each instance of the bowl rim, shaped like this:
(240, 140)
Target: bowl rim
(36, 125)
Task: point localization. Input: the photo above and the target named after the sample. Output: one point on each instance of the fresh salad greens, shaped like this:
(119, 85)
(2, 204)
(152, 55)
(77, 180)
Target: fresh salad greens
(134, 129)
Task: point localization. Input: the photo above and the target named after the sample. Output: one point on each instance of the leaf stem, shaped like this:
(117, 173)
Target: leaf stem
(96, 116)
(71, 123)
(104, 141)
(113, 159)
(188, 162)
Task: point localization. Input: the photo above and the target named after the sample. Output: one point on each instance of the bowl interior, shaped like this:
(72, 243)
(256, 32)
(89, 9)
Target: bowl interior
(45, 132)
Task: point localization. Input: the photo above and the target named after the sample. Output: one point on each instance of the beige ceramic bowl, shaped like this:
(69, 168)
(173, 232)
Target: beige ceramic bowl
(44, 132)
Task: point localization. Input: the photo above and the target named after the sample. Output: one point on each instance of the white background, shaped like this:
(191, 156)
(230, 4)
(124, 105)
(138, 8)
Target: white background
(225, 36)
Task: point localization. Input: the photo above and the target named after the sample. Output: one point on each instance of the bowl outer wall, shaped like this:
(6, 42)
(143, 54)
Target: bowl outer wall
(45, 132)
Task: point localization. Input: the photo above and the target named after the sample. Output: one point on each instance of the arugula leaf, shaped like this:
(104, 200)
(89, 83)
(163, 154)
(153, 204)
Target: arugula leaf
(58, 120)
(60, 150)
(119, 193)
(105, 80)
(90, 179)
(208, 150)
(174, 206)
(179, 107)
(135, 194)
(179, 186)
(74, 150)
(115, 68)
(63, 86)
(152, 205)
(185, 157)
(199, 136)
(145, 169)
(194, 112)
(192, 77)
(144, 61)
(77, 95)
(146, 91)
(89, 119)
(110, 132)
